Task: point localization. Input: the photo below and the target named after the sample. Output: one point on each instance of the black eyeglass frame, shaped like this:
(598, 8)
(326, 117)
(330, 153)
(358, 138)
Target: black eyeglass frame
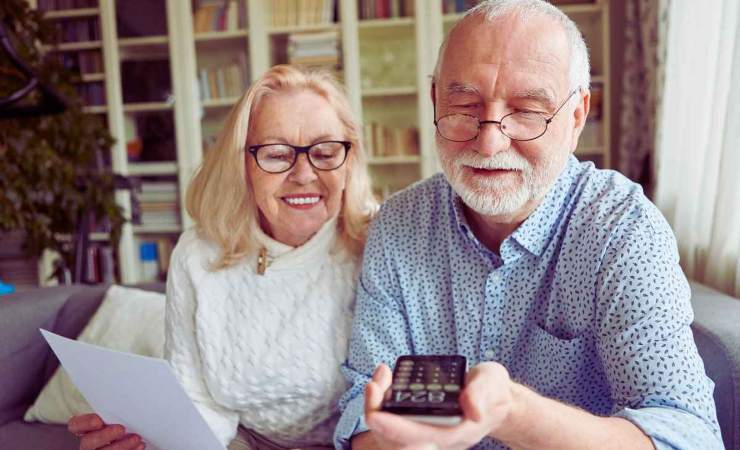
(297, 150)
(498, 122)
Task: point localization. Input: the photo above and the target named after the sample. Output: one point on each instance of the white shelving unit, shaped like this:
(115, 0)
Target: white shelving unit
(370, 50)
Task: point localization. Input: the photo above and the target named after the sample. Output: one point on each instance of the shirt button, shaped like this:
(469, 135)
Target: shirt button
(488, 354)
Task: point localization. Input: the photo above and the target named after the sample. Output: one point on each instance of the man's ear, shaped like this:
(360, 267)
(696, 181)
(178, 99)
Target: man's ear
(580, 114)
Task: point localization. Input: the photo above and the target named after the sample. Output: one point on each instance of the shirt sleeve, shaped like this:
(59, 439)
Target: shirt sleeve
(181, 351)
(655, 373)
(379, 331)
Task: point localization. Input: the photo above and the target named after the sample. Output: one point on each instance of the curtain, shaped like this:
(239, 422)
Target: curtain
(642, 84)
(698, 141)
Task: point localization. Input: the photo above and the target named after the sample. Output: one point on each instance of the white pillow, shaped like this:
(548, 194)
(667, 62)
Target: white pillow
(128, 320)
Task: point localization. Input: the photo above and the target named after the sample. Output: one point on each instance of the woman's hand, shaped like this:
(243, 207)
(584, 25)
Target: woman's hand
(94, 434)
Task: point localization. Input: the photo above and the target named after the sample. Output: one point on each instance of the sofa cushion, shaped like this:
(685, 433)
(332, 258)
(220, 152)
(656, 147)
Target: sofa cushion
(18, 435)
(716, 331)
(25, 358)
(128, 320)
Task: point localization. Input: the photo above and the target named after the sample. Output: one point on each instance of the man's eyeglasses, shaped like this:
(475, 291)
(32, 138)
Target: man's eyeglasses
(278, 158)
(517, 126)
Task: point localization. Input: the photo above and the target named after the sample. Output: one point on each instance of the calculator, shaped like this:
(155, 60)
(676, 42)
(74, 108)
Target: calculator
(426, 388)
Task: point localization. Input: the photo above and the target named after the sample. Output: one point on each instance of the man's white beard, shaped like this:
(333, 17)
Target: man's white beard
(500, 195)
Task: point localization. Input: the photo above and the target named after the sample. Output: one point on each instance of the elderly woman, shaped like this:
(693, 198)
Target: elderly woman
(260, 293)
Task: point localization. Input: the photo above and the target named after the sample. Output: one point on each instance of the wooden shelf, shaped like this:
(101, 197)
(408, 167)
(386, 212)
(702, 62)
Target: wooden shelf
(389, 91)
(142, 41)
(74, 46)
(152, 168)
(303, 28)
(220, 35)
(99, 109)
(71, 13)
(149, 106)
(92, 77)
(226, 102)
(386, 23)
(94, 236)
(157, 229)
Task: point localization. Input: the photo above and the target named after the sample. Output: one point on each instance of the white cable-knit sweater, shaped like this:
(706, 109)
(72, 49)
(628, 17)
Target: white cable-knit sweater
(263, 351)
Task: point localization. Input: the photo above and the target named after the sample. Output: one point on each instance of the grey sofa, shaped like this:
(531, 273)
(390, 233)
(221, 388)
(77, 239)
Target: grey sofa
(26, 362)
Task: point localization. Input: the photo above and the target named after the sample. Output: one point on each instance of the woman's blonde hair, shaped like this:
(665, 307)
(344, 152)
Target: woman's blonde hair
(220, 197)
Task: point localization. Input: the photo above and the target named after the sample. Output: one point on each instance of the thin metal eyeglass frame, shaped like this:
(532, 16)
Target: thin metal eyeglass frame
(297, 150)
(498, 122)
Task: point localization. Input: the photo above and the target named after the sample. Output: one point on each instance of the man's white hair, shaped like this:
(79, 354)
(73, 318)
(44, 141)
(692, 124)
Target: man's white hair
(580, 74)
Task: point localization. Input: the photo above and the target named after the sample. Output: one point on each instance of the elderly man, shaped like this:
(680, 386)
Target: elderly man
(559, 282)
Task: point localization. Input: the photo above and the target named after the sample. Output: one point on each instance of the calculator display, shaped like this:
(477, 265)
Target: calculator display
(427, 385)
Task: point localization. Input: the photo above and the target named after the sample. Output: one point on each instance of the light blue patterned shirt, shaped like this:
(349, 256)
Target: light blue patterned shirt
(586, 303)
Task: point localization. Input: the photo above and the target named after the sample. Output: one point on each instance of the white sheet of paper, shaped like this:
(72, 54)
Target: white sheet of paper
(138, 392)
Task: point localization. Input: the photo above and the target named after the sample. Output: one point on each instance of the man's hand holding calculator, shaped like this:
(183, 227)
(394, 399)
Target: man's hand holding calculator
(415, 408)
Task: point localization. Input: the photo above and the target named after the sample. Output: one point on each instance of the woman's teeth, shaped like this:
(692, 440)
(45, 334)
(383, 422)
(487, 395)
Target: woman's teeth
(302, 200)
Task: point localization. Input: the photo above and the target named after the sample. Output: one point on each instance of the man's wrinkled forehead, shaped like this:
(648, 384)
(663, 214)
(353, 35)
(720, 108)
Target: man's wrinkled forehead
(537, 44)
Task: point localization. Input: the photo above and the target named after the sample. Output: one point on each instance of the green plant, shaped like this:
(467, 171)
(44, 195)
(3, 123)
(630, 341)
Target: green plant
(48, 172)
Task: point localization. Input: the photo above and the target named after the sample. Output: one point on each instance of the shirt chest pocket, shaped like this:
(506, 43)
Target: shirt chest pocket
(552, 365)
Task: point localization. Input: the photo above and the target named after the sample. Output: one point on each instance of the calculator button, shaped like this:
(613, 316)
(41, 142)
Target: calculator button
(434, 387)
(451, 388)
(400, 386)
(406, 363)
(416, 386)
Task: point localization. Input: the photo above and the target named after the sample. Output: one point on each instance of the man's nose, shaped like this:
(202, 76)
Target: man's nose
(491, 139)
(302, 172)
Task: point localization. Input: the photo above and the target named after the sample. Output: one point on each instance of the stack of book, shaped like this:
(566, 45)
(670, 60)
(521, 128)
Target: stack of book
(83, 61)
(315, 50)
(223, 81)
(15, 267)
(382, 141)
(385, 9)
(79, 30)
(154, 258)
(164, 253)
(99, 264)
(158, 205)
(93, 94)
(597, 101)
(289, 13)
(216, 15)
(457, 6)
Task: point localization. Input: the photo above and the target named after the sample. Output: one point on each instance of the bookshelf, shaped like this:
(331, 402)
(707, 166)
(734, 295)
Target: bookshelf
(168, 80)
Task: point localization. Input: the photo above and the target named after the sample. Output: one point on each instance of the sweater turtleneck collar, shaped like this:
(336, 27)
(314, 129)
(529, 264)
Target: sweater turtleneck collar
(282, 256)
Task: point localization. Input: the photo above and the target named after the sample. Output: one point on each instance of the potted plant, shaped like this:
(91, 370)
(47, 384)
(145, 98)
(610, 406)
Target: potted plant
(51, 179)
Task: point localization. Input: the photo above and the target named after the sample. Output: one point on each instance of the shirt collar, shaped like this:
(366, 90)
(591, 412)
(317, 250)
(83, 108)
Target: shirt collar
(536, 231)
